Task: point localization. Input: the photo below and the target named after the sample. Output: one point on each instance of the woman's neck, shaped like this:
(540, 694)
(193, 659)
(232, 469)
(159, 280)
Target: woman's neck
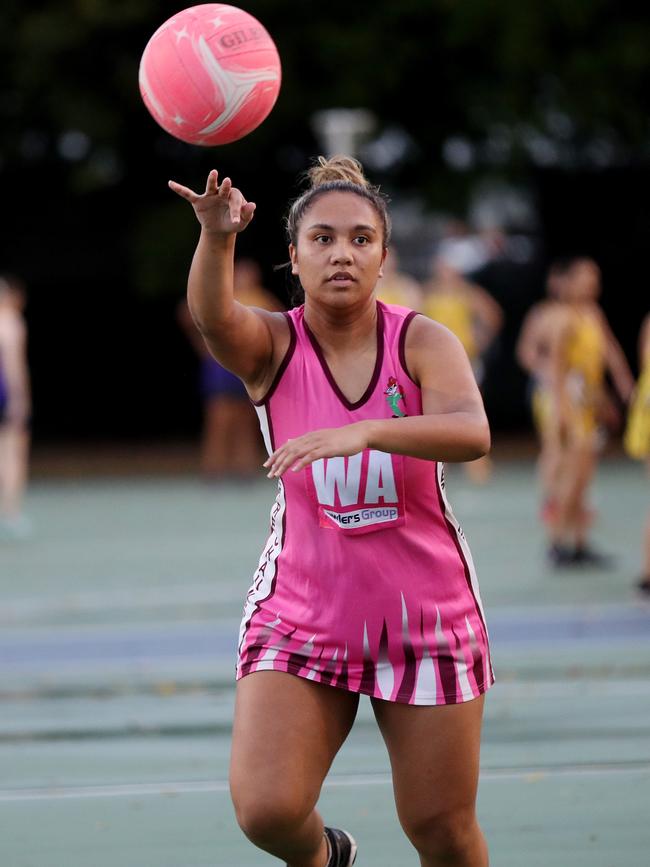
(340, 328)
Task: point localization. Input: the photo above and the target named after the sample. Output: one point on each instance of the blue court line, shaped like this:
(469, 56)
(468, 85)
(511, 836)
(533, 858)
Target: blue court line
(204, 640)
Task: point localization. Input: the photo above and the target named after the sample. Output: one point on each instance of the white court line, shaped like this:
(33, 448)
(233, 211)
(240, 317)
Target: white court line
(168, 789)
(88, 602)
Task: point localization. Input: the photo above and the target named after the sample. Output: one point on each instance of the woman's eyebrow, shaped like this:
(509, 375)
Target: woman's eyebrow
(362, 227)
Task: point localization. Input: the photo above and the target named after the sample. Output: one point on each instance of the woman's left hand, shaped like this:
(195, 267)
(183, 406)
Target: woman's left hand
(297, 453)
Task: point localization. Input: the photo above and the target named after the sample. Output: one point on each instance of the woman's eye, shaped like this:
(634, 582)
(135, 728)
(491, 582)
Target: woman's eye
(321, 239)
(361, 240)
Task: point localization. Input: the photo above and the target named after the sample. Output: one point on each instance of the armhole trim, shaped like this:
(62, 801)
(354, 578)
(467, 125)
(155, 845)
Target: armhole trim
(293, 339)
(402, 344)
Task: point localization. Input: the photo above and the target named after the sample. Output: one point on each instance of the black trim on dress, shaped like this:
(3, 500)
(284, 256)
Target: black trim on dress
(374, 379)
(293, 339)
(402, 345)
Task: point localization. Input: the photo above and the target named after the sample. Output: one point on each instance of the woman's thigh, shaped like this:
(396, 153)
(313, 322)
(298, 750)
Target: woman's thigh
(286, 732)
(434, 754)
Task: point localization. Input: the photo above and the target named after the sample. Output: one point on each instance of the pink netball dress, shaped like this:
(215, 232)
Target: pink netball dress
(366, 581)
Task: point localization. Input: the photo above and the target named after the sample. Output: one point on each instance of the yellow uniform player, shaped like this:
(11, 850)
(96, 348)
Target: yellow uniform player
(582, 350)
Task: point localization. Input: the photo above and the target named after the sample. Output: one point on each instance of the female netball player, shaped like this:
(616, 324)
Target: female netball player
(582, 350)
(366, 584)
(536, 337)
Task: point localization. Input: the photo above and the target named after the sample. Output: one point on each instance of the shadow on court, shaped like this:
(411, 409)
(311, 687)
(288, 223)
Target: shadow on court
(119, 629)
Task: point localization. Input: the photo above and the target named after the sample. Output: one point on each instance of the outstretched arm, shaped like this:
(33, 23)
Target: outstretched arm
(239, 337)
(453, 425)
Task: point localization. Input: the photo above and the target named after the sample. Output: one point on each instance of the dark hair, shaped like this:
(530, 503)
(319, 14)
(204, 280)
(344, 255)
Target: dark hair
(11, 283)
(337, 174)
(564, 264)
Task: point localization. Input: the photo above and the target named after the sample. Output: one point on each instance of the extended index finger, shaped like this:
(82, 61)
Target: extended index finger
(184, 192)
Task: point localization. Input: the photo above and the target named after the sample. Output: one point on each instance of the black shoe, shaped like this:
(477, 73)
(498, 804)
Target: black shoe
(559, 556)
(588, 557)
(343, 849)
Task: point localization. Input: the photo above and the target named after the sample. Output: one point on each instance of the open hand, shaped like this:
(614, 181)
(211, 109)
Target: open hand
(221, 209)
(326, 443)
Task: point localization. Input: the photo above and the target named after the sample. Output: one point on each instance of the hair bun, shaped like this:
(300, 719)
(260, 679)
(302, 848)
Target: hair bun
(337, 168)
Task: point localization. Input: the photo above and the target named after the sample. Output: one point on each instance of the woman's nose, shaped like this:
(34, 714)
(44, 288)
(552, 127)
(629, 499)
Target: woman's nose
(341, 253)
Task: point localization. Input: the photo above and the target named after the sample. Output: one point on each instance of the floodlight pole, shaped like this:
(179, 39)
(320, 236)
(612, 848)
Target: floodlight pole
(341, 130)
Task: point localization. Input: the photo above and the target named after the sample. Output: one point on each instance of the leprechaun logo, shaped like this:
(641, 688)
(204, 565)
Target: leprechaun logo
(394, 395)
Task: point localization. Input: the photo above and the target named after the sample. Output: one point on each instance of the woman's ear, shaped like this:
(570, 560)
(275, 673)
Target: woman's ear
(383, 260)
(293, 255)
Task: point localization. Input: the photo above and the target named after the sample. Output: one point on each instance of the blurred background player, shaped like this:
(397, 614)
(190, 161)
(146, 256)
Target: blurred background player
(472, 314)
(533, 354)
(582, 350)
(637, 435)
(231, 445)
(15, 409)
(396, 287)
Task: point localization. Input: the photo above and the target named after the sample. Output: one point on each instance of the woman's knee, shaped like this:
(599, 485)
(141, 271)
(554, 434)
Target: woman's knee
(270, 820)
(447, 836)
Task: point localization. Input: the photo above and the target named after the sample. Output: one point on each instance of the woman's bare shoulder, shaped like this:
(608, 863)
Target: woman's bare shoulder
(426, 333)
(430, 345)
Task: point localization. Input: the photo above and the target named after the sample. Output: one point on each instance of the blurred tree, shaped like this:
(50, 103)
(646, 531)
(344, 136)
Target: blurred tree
(460, 89)
(545, 71)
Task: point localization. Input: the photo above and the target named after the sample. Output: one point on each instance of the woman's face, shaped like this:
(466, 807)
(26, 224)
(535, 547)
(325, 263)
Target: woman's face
(584, 281)
(339, 251)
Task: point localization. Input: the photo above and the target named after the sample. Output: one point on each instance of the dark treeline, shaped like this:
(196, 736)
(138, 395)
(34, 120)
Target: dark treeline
(550, 95)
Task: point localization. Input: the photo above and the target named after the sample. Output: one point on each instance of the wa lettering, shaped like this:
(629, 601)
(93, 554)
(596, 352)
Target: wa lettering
(343, 477)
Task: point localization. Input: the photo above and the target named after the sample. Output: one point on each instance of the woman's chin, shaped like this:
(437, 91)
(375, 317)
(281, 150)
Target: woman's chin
(342, 295)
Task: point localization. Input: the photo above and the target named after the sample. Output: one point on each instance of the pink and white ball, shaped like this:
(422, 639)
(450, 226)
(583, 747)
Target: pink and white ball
(210, 74)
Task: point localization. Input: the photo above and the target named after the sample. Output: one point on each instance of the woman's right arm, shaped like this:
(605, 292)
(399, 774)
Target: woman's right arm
(239, 337)
(13, 350)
